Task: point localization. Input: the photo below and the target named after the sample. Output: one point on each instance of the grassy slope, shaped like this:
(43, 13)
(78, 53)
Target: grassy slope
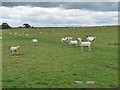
(52, 64)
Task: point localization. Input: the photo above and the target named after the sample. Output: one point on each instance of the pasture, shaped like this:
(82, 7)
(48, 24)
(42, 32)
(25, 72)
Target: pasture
(53, 64)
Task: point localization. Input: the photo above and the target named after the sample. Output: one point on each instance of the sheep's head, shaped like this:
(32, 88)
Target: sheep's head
(94, 39)
(18, 47)
(79, 39)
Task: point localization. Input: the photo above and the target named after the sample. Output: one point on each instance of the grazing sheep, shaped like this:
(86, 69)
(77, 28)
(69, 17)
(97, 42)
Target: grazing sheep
(85, 44)
(10, 33)
(73, 42)
(91, 38)
(40, 32)
(26, 34)
(15, 33)
(14, 49)
(34, 41)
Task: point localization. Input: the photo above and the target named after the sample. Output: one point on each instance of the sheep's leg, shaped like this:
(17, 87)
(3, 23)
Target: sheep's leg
(89, 48)
(12, 53)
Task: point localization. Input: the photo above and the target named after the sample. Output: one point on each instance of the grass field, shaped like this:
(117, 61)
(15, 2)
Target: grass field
(53, 64)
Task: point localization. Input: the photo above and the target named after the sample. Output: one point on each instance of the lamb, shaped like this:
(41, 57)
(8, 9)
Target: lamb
(85, 44)
(14, 49)
(91, 38)
(73, 42)
(34, 41)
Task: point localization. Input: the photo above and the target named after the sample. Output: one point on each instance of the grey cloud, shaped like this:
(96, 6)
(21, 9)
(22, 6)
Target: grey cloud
(94, 6)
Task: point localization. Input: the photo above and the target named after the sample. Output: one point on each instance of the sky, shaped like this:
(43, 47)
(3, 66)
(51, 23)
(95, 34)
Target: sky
(59, 14)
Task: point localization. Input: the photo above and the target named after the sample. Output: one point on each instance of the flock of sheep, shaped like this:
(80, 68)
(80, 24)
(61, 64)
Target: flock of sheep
(79, 41)
(20, 34)
(14, 49)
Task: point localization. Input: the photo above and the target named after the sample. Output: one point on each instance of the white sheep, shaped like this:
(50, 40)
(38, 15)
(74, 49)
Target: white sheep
(66, 39)
(84, 44)
(15, 33)
(73, 42)
(40, 32)
(26, 34)
(34, 41)
(22, 33)
(91, 38)
(14, 49)
(69, 38)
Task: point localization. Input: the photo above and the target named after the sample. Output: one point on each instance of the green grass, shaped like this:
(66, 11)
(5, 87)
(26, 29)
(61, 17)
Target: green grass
(52, 64)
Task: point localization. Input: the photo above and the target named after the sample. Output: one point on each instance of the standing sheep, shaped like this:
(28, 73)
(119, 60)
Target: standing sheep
(73, 42)
(34, 41)
(14, 49)
(85, 44)
(90, 38)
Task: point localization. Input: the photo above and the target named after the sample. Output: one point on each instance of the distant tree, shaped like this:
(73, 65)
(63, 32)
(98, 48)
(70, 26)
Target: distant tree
(5, 26)
(26, 25)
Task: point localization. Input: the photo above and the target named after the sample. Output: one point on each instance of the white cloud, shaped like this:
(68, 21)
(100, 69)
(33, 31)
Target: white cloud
(41, 16)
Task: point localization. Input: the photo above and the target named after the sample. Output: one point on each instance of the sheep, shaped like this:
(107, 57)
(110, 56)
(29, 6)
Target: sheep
(26, 34)
(91, 38)
(66, 39)
(69, 38)
(34, 41)
(22, 33)
(63, 39)
(15, 33)
(85, 44)
(40, 32)
(73, 42)
(14, 49)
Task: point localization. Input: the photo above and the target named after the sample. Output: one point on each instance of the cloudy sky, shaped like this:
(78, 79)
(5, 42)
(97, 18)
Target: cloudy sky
(60, 14)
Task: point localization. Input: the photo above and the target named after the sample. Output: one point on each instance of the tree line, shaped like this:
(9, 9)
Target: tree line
(7, 26)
